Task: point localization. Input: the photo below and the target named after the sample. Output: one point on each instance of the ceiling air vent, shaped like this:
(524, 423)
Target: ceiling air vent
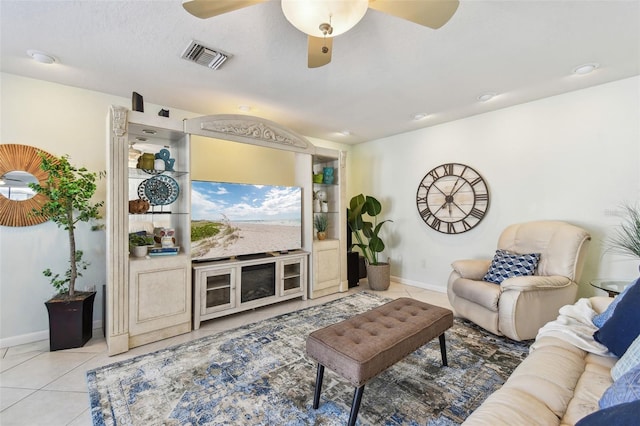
(203, 55)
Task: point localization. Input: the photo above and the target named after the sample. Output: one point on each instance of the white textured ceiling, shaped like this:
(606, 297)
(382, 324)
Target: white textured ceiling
(383, 71)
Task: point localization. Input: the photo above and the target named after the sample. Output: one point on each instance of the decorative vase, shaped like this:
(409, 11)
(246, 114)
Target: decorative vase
(322, 235)
(316, 206)
(379, 276)
(317, 178)
(324, 207)
(327, 175)
(146, 161)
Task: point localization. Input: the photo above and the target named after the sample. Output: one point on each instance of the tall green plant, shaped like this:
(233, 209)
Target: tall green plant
(626, 239)
(365, 232)
(68, 191)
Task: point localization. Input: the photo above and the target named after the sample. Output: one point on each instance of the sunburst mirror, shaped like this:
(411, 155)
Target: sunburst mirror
(19, 166)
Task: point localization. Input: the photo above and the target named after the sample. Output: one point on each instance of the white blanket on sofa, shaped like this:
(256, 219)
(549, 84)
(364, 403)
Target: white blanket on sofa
(574, 325)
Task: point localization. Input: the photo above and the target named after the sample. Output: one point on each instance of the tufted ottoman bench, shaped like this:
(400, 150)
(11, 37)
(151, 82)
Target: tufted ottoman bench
(363, 346)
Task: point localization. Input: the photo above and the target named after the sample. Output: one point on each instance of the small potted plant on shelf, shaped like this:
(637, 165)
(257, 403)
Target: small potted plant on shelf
(321, 223)
(68, 191)
(367, 236)
(139, 243)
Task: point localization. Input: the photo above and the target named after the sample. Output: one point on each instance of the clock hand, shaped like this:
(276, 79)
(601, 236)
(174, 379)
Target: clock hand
(442, 206)
(441, 191)
(459, 208)
(454, 193)
(454, 187)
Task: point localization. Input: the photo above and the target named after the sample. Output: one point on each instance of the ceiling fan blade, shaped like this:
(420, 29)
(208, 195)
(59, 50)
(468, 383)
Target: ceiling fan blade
(429, 13)
(208, 8)
(316, 56)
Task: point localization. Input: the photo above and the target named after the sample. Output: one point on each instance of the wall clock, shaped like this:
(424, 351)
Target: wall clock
(452, 198)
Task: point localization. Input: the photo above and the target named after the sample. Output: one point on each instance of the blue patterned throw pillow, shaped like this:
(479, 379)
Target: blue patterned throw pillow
(506, 265)
(625, 389)
(629, 360)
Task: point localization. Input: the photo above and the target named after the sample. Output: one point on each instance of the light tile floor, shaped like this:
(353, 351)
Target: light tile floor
(38, 387)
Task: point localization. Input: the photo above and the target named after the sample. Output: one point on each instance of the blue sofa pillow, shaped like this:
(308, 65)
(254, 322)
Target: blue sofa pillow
(602, 317)
(625, 389)
(629, 360)
(623, 327)
(506, 265)
(618, 415)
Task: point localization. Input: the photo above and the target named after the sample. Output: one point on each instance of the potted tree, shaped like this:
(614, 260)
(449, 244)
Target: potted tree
(367, 236)
(68, 191)
(321, 223)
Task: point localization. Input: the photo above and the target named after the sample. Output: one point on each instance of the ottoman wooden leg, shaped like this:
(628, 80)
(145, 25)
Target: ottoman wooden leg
(316, 394)
(443, 349)
(355, 407)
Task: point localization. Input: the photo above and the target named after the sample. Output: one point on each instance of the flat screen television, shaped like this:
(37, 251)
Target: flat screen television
(234, 219)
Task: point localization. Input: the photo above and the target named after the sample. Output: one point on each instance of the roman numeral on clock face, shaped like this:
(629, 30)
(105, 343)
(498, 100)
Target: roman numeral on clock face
(478, 214)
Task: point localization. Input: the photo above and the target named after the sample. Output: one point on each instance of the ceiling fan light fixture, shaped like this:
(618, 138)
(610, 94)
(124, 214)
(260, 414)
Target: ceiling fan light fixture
(308, 15)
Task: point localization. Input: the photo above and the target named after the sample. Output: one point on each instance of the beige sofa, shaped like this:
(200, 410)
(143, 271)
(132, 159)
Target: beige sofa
(557, 384)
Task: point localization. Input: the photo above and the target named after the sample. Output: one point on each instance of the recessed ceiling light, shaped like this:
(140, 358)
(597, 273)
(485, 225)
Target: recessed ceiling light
(487, 96)
(244, 108)
(586, 68)
(345, 133)
(419, 116)
(43, 58)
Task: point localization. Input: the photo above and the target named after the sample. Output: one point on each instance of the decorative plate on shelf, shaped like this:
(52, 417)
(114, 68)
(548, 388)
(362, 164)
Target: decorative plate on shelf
(159, 190)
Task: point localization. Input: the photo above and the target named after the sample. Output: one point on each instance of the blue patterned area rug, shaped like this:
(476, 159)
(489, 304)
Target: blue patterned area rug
(259, 374)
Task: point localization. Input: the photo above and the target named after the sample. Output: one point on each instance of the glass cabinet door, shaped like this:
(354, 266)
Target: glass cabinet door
(292, 276)
(217, 290)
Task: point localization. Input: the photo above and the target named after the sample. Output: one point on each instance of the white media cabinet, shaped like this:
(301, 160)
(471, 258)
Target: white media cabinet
(226, 287)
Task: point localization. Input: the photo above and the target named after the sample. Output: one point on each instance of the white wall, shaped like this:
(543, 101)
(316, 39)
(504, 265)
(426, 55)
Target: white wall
(572, 157)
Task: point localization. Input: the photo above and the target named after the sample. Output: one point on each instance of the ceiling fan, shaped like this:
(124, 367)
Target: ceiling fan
(324, 19)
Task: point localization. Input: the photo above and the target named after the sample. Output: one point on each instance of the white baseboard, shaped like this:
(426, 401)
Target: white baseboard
(419, 284)
(23, 339)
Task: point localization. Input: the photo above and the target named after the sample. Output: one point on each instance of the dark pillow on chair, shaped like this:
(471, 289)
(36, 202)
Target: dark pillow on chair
(506, 265)
(623, 327)
(618, 415)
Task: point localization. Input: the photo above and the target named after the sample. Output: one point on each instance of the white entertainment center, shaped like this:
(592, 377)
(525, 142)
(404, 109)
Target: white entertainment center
(153, 298)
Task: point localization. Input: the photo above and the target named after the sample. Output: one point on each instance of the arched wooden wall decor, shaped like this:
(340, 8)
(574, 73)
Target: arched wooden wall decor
(24, 158)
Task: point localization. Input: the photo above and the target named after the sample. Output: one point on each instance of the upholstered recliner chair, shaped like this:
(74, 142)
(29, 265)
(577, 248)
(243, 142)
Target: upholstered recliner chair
(529, 295)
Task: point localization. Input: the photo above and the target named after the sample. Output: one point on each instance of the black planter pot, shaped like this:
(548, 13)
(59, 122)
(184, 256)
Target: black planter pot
(70, 321)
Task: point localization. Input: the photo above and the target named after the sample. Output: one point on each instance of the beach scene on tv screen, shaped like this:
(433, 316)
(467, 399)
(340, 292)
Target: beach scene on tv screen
(231, 219)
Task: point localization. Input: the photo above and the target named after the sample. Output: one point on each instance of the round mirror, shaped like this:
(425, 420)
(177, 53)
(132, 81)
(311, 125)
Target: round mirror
(19, 166)
(15, 185)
